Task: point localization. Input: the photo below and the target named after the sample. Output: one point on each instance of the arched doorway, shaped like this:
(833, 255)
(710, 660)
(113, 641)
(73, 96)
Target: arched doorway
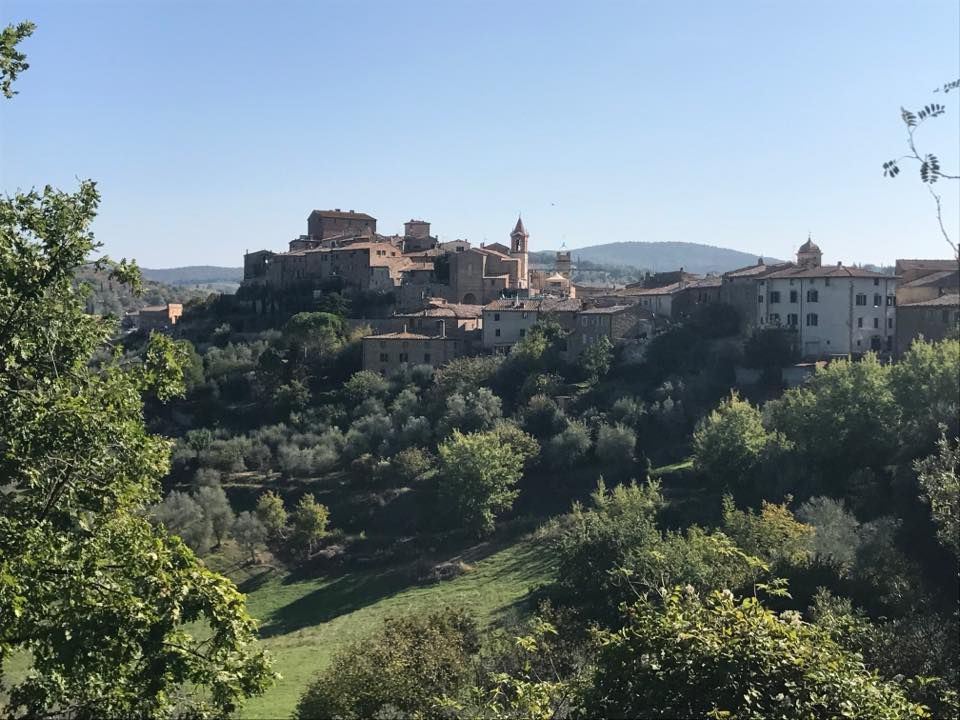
(469, 299)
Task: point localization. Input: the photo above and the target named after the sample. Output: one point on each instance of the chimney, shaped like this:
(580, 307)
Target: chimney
(839, 263)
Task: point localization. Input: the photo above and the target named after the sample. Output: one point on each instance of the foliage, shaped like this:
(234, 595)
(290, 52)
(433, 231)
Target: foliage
(680, 655)
(249, 533)
(309, 520)
(471, 412)
(12, 61)
(478, 475)
(729, 444)
(399, 670)
(272, 513)
(104, 603)
(615, 447)
(939, 477)
(596, 358)
(182, 515)
(216, 509)
(568, 447)
(771, 348)
(836, 531)
(773, 533)
(926, 387)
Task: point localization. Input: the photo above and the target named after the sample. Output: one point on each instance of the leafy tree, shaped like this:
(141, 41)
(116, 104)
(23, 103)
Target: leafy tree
(771, 348)
(249, 533)
(364, 384)
(939, 477)
(216, 509)
(836, 531)
(926, 387)
(271, 512)
(478, 476)
(401, 670)
(181, 515)
(542, 417)
(309, 522)
(729, 444)
(473, 412)
(12, 61)
(615, 447)
(412, 464)
(681, 655)
(568, 447)
(843, 419)
(773, 533)
(109, 608)
(596, 359)
(524, 445)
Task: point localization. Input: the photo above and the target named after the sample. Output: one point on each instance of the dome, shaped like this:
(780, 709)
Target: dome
(809, 247)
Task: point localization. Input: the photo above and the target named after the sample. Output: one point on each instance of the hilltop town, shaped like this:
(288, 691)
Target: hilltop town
(428, 301)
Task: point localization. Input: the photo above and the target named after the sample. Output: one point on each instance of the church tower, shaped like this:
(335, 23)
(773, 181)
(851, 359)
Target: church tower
(518, 248)
(809, 254)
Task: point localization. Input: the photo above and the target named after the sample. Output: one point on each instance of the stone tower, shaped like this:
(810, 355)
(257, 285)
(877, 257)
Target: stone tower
(518, 248)
(809, 254)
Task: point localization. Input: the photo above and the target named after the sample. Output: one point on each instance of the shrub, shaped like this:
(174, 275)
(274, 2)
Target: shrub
(478, 476)
(181, 515)
(568, 447)
(542, 417)
(721, 657)
(399, 671)
(615, 447)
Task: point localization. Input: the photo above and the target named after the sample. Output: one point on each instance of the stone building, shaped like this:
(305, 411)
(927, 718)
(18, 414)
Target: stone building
(159, 317)
(389, 351)
(507, 321)
(934, 319)
(324, 224)
(928, 286)
(739, 289)
(617, 323)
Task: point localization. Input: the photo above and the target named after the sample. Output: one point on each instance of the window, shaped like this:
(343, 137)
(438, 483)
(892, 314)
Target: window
(859, 322)
(384, 357)
(812, 320)
(523, 315)
(774, 296)
(792, 320)
(497, 332)
(946, 316)
(791, 281)
(426, 357)
(523, 332)
(793, 295)
(861, 299)
(383, 343)
(826, 282)
(404, 357)
(812, 296)
(762, 283)
(877, 300)
(891, 300)
(774, 319)
(889, 323)
(876, 323)
(760, 299)
(496, 317)
(876, 281)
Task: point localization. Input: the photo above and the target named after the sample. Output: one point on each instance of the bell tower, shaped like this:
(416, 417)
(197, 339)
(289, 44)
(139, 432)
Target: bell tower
(518, 248)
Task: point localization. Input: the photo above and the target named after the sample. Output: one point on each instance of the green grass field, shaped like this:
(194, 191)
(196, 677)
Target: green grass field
(303, 622)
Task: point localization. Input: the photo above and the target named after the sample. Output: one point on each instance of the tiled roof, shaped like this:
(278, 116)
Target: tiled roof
(826, 271)
(755, 270)
(339, 214)
(535, 305)
(946, 277)
(154, 308)
(952, 300)
(454, 310)
(908, 264)
(405, 336)
(612, 310)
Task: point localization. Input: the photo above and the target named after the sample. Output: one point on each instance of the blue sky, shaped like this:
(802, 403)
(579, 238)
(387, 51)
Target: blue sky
(215, 127)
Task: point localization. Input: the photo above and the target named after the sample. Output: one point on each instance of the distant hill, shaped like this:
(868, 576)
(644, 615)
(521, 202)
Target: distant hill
(661, 256)
(195, 275)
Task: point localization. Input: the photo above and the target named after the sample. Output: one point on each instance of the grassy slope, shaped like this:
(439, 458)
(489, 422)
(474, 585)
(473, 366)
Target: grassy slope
(305, 621)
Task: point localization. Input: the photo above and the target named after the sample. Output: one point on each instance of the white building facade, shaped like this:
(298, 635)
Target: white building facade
(836, 310)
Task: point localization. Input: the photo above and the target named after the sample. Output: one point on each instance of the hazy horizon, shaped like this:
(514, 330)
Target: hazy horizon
(214, 128)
